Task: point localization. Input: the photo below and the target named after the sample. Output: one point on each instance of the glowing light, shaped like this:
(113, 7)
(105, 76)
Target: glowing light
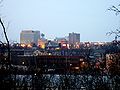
(77, 46)
(5, 44)
(68, 46)
(23, 63)
(64, 45)
(29, 45)
(43, 46)
(76, 67)
(22, 45)
(57, 48)
(83, 62)
(17, 45)
(81, 59)
(50, 54)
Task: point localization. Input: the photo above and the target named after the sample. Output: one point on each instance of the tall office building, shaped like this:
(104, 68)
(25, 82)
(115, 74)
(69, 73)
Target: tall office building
(63, 42)
(74, 38)
(29, 36)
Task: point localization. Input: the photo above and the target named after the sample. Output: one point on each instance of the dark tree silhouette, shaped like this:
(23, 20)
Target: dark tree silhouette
(42, 35)
(116, 9)
(6, 37)
(116, 33)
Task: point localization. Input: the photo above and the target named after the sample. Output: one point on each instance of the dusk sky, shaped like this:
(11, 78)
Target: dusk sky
(57, 18)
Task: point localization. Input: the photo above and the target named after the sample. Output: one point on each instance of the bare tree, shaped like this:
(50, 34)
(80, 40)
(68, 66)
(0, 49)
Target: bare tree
(116, 9)
(116, 32)
(6, 37)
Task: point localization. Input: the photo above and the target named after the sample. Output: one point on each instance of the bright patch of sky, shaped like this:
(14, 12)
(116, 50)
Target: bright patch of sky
(57, 18)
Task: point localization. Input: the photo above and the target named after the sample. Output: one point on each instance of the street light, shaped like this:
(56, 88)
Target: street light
(23, 62)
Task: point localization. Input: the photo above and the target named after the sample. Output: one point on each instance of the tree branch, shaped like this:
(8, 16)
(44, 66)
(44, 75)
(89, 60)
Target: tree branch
(8, 46)
(115, 9)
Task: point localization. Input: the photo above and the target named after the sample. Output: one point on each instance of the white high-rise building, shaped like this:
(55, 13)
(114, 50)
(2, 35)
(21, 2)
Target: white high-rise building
(74, 38)
(29, 36)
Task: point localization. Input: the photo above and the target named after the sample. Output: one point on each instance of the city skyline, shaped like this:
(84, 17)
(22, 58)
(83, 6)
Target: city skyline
(58, 18)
